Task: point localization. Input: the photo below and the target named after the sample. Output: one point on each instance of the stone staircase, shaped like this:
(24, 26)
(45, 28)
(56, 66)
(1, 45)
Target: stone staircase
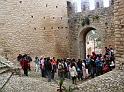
(5, 72)
(10, 82)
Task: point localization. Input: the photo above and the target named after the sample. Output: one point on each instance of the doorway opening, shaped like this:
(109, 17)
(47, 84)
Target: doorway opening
(89, 41)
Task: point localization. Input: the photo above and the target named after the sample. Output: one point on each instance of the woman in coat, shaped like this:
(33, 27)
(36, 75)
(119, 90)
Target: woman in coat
(73, 73)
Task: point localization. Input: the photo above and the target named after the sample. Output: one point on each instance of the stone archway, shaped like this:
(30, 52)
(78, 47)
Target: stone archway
(82, 41)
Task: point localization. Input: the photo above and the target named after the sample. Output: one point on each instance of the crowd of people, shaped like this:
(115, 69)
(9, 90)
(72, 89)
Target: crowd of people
(93, 65)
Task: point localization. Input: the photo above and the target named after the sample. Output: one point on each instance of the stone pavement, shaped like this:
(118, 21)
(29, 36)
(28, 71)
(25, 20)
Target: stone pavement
(109, 82)
(29, 84)
(33, 83)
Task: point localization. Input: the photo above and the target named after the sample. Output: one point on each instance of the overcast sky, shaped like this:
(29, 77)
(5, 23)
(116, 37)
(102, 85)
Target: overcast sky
(106, 4)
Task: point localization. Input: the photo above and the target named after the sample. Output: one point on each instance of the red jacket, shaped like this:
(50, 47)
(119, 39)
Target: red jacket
(24, 64)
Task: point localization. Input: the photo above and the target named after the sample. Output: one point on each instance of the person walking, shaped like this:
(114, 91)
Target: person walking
(19, 59)
(54, 66)
(25, 65)
(73, 73)
(29, 61)
(42, 67)
(48, 68)
(37, 62)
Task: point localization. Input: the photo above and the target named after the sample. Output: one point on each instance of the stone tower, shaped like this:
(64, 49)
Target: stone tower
(35, 27)
(85, 5)
(99, 4)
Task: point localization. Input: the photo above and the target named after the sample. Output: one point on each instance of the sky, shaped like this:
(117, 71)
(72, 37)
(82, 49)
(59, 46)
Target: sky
(106, 4)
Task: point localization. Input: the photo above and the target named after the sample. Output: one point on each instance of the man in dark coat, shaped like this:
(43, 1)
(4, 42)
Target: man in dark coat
(48, 68)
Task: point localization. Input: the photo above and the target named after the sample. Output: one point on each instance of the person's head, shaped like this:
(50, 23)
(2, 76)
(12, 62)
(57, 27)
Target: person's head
(73, 60)
(100, 55)
(53, 58)
(20, 54)
(50, 60)
(36, 57)
(45, 59)
(88, 56)
(84, 61)
(93, 53)
(25, 55)
(108, 50)
(97, 55)
(58, 60)
(79, 59)
(72, 64)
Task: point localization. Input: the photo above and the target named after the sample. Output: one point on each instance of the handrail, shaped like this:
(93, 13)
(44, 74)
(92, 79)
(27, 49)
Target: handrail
(9, 65)
(6, 81)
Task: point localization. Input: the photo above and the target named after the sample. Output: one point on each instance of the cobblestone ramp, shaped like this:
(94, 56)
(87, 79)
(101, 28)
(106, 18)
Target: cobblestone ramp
(26, 84)
(109, 82)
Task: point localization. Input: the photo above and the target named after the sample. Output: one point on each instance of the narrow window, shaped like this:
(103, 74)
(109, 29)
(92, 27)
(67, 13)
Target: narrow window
(46, 5)
(44, 28)
(20, 1)
(61, 18)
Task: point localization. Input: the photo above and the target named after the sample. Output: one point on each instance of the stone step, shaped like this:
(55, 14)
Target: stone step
(5, 62)
(2, 66)
(4, 70)
(3, 78)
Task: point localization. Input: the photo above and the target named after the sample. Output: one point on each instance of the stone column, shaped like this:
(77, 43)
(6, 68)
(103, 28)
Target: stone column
(119, 32)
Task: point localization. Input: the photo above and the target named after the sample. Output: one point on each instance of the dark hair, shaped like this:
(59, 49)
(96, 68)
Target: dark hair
(36, 57)
(48, 58)
(72, 64)
(106, 47)
(25, 55)
(88, 55)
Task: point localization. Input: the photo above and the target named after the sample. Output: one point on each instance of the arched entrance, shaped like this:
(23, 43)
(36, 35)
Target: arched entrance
(85, 36)
(93, 43)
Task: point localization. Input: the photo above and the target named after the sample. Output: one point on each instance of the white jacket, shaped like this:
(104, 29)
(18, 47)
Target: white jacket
(73, 71)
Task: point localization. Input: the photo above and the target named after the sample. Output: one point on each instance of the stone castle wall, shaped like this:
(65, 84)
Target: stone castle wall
(40, 27)
(114, 80)
(104, 26)
(36, 27)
